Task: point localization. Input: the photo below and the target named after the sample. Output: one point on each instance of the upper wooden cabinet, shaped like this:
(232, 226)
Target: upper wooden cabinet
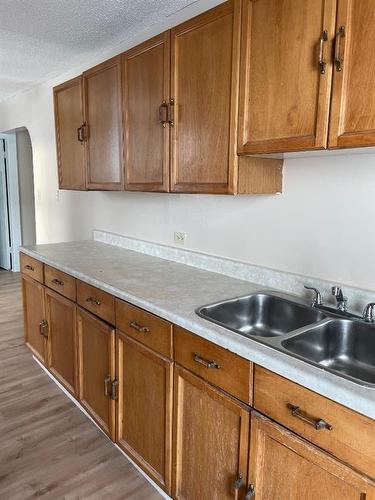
(286, 73)
(283, 466)
(103, 125)
(204, 73)
(146, 81)
(353, 101)
(68, 122)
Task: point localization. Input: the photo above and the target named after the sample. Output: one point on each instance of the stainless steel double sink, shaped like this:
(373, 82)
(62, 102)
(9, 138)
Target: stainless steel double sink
(342, 346)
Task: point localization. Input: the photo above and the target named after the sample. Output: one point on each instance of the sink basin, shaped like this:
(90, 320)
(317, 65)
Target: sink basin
(342, 346)
(260, 315)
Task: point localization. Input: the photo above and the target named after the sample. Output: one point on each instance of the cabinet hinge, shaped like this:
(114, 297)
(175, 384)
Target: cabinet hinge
(43, 328)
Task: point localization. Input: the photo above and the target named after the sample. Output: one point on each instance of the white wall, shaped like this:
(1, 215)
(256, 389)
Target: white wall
(322, 225)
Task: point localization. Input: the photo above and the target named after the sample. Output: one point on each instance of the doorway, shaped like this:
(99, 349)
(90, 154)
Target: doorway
(17, 201)
(5, 236)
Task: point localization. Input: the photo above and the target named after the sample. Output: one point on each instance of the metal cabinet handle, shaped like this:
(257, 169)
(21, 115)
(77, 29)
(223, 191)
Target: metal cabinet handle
(171, 112)
(237, 486)
(250, 492)
(322, 63)
(80, 134)
(139, 328)
(29, 268)
(339, 58)
(43, 328)
(57, 282)
(163, 114)
(208, 364)
(107, 386)
(317, 423)
(114, 390)
(93, 301)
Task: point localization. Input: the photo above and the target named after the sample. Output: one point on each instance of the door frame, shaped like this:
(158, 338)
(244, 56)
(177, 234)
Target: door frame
(13, 197)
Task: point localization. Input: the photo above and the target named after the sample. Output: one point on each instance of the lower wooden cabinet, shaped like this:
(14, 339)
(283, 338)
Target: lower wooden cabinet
(96, 361)
(36, 333)
(211, 439)
(144, 417)
(61, 319)
(285, 467)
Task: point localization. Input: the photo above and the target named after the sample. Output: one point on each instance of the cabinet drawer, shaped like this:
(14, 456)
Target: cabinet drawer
(100, 303)
(32, 267)
(222, 368)
(60, 282)
(351, 436)
(145, 327)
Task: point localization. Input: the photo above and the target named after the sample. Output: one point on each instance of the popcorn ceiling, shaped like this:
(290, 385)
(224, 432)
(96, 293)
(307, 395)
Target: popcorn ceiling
(41, 39)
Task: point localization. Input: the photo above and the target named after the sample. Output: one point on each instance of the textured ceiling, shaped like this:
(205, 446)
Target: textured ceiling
(40, 39)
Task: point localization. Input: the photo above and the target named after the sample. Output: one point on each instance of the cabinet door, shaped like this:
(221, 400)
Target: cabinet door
(69, 141)
(103, 115)
(284, 89)
(353, 101)
(36, 329)
(204, 91)
(61, 318)
(146, 72)
(96, 365)
(145, 408)
(284, 467)
(210, 449)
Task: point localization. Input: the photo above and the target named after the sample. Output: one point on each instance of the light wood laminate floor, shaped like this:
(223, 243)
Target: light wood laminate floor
(48, 448)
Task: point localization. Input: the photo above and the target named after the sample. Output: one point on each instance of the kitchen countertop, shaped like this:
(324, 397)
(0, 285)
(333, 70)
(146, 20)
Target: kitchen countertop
(173, 291)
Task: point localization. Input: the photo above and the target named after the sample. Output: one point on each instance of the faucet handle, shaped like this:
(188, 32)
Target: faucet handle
(368, 312)
(317, 299)
(341, 300)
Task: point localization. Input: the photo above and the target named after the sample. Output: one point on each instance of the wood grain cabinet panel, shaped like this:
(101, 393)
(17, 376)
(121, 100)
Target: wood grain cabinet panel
(145, 408)
(353, 104)
(62, 345)
(284, 467)
(60, 282)
(204, 75)
(344, 440)
(96, 365)
(102, 110)
(32, 267)
(211, 438)
(218, 366)
(150, 330)
(146, 77)
(284, 94)
(98, 302)
(33, 309)
(68, 120)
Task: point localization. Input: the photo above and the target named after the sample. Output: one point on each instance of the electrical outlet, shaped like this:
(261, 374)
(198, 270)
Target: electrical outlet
(179, 237)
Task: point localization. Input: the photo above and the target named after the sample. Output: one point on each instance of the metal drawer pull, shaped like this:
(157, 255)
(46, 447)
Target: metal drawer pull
(107, 386)
(250, 492)
(339, 58)
(139, 328)
(317, 423)
(29, 268)
(321, 61)
(204, 362)
(92, 301)
(43, 328)
(58, 282)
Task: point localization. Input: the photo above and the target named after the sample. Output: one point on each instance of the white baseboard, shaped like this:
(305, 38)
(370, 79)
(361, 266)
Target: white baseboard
(157, 488)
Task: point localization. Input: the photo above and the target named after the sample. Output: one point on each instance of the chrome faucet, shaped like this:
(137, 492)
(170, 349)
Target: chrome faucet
(368, 313)
(317, 299)
(340, 299)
